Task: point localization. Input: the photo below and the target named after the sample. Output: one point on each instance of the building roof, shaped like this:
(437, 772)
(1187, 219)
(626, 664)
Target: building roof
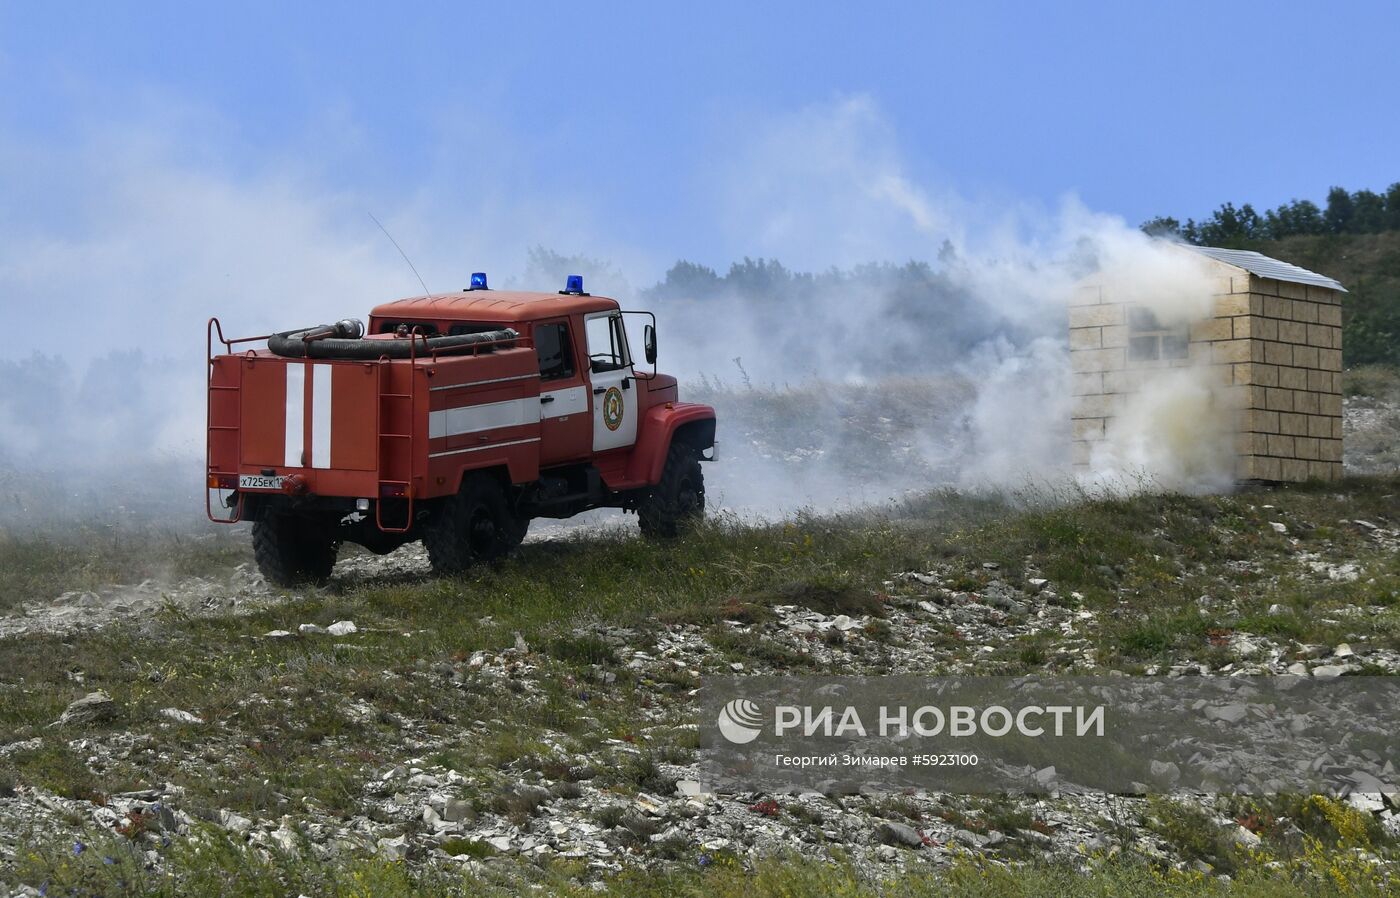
(492, 306)
(1265, 267)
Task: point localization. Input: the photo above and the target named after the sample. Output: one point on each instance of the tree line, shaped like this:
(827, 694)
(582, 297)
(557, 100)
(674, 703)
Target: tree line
(1358, 212)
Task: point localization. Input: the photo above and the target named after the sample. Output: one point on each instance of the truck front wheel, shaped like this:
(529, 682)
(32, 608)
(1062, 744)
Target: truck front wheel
(473, 526)
(292, 551)
(678, 500)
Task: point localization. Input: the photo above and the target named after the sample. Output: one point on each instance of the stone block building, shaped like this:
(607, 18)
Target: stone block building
(1270, 346)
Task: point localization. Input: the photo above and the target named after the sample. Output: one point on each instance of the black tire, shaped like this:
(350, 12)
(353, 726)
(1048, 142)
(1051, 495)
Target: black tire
(473, 526)
(293, 551)
(516, 530)
(677, 502)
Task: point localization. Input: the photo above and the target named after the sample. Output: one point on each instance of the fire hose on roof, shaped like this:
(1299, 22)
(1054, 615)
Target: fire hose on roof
(345, 340)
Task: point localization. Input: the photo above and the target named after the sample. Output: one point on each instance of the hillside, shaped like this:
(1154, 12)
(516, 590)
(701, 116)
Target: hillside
(171, 724)
(534, 722)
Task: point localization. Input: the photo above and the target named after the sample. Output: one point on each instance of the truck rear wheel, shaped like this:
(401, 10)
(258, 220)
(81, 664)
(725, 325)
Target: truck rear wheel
(677, 502)
(473, 526)
(517, 528)
(292, 551)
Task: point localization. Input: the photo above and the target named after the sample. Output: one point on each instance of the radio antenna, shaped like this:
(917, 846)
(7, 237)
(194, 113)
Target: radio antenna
(426, 291)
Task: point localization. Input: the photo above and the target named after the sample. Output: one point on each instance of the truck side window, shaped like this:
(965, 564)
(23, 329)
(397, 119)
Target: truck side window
(555, 354)
(607, 345)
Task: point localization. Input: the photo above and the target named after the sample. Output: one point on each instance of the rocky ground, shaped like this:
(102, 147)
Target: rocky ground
(553, 803)
(1371, 433)
(518, 749)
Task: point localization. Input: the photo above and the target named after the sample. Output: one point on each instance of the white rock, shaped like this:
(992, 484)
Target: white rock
(395, 849)
(311, 630)
(277, 634)
(342, 628)
(179, 716)
(456, 810)
(1245, 839)
(94, 707)
(1227, 713)
(235, 823)
(285, 838)
(689, 788)
(650, 805)
(1278, 527)
(1367, 802)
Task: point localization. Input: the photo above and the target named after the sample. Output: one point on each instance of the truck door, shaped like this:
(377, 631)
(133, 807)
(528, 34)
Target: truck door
(614, 391)
(564, 423)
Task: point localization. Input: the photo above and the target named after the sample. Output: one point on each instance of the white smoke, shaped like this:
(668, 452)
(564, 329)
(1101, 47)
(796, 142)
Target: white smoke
(829, 186)
(1176, 433)
(109, 290)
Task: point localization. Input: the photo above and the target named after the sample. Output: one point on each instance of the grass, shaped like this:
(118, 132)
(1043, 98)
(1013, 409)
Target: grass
(1375, 381)
(1142, 563)
(43, 566)
(274, 740)
(216, 866)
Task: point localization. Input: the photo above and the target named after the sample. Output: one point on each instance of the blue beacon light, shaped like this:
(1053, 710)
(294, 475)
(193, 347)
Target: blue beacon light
(574, 284)
(478, 281)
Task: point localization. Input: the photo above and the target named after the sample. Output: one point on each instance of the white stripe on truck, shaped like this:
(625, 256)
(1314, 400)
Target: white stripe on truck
(296, 413)
(453, 422)
(484, 448)
(478, 383)
(568, 401)
(320, 416)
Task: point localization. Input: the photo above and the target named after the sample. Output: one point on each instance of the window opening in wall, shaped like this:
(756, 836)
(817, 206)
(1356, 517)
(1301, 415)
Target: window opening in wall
(1150, 340)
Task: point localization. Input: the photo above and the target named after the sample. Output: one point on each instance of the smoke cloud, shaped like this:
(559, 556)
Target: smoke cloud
(1177, 431)
(874, 377)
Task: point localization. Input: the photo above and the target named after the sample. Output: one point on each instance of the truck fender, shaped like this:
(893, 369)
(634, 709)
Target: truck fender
(691, 422)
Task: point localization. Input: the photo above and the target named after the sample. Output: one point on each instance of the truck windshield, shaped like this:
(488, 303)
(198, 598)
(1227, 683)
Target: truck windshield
(607, 343)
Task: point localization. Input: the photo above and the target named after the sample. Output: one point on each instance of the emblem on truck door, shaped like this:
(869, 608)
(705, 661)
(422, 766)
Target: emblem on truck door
(612, 408)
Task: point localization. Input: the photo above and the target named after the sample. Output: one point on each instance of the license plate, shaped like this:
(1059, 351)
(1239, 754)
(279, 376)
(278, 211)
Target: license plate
(259, 482)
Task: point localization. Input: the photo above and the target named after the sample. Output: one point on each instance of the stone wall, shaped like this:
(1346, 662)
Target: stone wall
(1274, 347)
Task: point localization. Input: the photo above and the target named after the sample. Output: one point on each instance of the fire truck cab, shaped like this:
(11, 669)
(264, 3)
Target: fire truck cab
(453, 419)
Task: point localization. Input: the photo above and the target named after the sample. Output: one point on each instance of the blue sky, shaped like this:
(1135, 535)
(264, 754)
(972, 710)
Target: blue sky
(648, 132)
(161, 163)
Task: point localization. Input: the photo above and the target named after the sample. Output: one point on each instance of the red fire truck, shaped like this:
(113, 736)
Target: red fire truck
(453, 419)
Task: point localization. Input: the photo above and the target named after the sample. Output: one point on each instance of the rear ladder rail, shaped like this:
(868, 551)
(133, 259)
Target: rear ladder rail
(385, 368)
(214, 327)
